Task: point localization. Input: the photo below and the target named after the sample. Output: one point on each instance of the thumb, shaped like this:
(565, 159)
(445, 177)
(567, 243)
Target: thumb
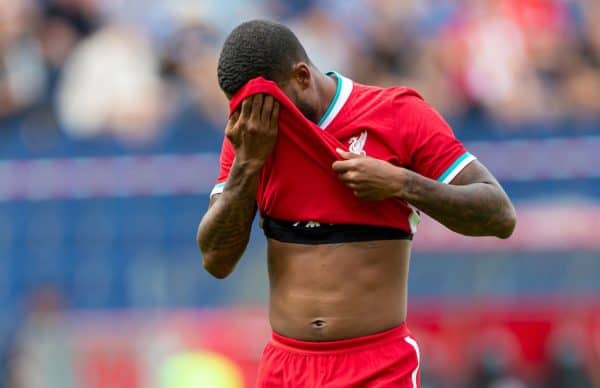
(346, 155)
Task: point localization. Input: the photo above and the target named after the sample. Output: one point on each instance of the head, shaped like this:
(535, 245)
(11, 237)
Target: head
(271, 50)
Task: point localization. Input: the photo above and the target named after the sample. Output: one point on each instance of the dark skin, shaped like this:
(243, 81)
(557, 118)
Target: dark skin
(337, 291)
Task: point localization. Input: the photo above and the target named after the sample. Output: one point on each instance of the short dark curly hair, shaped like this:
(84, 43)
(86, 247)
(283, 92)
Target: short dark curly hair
(258, 48)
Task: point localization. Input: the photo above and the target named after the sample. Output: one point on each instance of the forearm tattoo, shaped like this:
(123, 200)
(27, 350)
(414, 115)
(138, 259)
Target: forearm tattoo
(225, 229)
(474, 204)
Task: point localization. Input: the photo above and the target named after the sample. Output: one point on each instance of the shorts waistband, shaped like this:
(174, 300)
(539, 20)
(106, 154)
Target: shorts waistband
(351, 344)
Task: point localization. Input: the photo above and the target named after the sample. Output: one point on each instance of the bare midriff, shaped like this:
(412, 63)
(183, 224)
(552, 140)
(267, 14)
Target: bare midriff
(337, 291)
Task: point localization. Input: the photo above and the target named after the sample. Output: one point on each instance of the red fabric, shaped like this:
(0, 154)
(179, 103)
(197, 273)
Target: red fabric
(381, 360)
(297, 182)
(225, 160)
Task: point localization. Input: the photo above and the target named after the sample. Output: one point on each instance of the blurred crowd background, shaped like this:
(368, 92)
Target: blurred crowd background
(111, 122)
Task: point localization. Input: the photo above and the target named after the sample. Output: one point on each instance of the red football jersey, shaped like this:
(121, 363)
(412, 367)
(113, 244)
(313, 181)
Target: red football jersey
(394, 124)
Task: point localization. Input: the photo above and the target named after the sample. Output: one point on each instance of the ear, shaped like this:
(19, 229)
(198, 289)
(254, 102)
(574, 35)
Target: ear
(302, 75)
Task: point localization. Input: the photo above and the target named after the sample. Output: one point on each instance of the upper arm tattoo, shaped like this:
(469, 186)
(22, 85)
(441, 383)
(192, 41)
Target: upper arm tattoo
(474, 172)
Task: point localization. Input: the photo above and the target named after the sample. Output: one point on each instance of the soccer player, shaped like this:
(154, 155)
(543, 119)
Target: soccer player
(338, 292)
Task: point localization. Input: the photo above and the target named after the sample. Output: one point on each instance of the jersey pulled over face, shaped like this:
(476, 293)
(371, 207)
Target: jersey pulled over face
(394, 124)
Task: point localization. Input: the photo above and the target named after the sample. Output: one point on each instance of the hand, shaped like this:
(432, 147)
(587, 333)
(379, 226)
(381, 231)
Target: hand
(253, 132)
(369, 178)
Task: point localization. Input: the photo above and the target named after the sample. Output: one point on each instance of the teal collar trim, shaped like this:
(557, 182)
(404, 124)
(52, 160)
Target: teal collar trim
(338, 89)
(342, 93)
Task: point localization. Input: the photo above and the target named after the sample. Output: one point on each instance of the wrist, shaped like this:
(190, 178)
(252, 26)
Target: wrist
(402, 183)
(250, 166)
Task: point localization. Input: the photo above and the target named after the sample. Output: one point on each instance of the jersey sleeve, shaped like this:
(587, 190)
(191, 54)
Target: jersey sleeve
(434, 150)
(225, 162)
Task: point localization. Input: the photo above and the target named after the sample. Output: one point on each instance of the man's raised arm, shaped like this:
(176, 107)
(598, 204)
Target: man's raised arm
(224, 230)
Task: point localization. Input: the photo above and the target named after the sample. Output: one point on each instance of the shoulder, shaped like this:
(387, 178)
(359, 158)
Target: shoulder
(392, 100)
(411, 113)
(395, 97)
(411, 108)
(408, 100)
(391, 92)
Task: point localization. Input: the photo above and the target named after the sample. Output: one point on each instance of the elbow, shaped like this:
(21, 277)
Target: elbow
(211, 262)
(507, 222)
(212, 266)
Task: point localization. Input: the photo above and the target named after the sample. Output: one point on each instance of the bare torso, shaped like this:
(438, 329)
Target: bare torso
(336, 291)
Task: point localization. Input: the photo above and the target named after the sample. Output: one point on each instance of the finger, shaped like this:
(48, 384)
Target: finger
(257, 104)
(362, 194)
(366, 196)
(231, 122)
(246, 108)
(342, 166)
(275, 115)
(233, 118)
(267, 107)
(352, 185)
(350, 177)
(347, 155)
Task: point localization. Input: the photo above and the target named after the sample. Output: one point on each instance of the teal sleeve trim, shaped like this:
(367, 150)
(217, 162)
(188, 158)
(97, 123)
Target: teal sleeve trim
(218, 189)
(458, 164)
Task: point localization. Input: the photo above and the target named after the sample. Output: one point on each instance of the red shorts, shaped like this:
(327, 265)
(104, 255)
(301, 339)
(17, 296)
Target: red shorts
(383, 360)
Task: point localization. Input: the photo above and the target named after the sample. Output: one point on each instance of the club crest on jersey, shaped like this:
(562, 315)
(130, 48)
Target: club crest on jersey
(357, 144)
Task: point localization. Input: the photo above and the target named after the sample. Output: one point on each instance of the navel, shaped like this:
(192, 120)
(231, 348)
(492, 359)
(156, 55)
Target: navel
(318, 324)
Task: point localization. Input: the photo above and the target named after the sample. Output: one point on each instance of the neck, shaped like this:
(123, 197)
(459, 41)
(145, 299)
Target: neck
(326, 86)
